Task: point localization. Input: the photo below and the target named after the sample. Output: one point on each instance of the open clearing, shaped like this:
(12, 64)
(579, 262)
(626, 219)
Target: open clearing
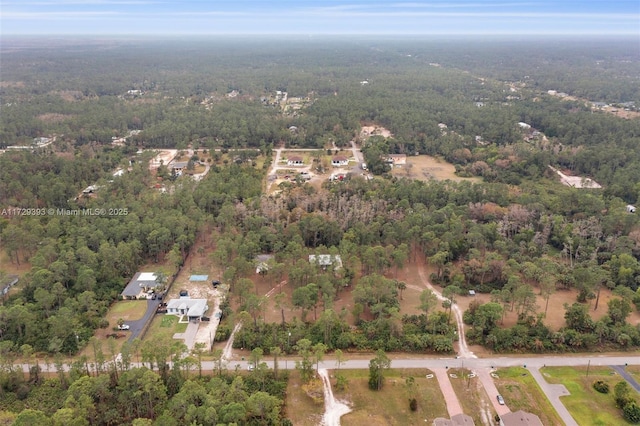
(425, 168)
(390, 406)
(521, 392)
(586, 405)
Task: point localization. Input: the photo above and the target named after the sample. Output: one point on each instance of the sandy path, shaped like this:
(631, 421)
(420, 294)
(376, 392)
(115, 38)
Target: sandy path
(333, 409)
(463, 350)
(227, 353)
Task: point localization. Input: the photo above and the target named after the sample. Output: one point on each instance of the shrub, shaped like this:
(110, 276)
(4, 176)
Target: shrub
(631, 412)
(601, 386)
(413, 404)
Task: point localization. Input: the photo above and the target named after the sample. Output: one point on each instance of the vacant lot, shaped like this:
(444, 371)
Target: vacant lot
(425, 167)
(301, 409)
(585, 404)
(521, 392)
(390, 406)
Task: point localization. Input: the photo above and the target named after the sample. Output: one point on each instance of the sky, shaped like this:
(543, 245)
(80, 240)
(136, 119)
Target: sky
(317, 17)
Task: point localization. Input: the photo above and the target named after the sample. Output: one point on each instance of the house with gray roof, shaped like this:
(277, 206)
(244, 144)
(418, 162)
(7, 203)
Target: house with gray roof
(141, 283)
(194, 309)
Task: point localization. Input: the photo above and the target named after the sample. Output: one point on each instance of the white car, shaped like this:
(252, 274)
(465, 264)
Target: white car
(251, 367)
(123, 327)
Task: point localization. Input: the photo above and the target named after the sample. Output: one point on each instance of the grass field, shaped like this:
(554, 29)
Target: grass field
(129, 310)
(521, 392)
(586, 405)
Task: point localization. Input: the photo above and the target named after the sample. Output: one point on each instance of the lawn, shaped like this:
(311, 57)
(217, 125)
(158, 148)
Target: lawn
(521, 392)
(390, 406)
(128, 310)
(586, 405)
(163, 327)
(472, 396)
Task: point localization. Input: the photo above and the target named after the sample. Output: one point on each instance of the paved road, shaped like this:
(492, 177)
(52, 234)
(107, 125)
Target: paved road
(628, 377)
(553, 392)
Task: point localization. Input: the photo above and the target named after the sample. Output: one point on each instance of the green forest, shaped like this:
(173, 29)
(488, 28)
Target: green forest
(514, 233)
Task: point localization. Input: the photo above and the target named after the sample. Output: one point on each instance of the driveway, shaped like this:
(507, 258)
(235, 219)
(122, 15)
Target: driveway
(137, 326)
(553, 393)
(450, 397)
(628, 377)
(189, 335)
(484, 374)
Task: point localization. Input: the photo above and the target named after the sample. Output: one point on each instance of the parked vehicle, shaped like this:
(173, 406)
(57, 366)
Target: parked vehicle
(500, 400)
(123, 327)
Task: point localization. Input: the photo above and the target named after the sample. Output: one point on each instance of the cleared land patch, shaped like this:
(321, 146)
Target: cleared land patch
(425, 168)
(390, 406)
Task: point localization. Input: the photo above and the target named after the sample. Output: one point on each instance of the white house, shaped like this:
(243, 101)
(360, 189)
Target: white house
(339, 161)
(295, 161)
(194, 309)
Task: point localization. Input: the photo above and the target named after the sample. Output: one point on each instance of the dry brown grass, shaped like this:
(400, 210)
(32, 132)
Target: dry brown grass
(300, 407)
(472, 395)
(425, 168)
(390, 406)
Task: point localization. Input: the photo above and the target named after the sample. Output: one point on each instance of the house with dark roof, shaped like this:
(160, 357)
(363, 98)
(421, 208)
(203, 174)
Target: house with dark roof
(140, 285)
(294, 160)
(457, 420)
(520, 418)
